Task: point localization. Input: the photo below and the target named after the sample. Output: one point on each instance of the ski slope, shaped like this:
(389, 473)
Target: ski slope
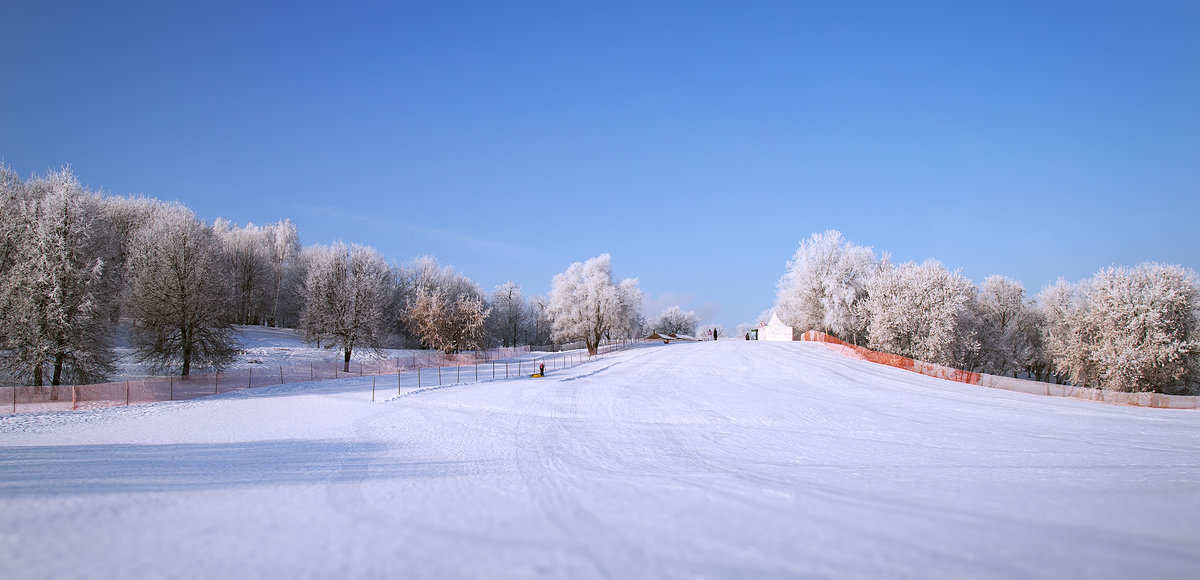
(731, 459)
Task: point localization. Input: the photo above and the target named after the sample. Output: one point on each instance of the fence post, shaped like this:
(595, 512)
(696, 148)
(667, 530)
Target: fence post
(493, 377)
(217, 383)
(126, 393)
(518, 368)
(360, 368)
(310, 371)
(458, 374)
(477, 372)
(171, 380)
(14, 399)
(439, 374)
(74, 397)
(372, 389)
(418, 378)
(281, 374)
(506, 369)
(397, 376)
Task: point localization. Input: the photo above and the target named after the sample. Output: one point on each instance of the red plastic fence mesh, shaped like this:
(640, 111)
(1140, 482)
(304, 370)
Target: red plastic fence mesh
(1156, 400)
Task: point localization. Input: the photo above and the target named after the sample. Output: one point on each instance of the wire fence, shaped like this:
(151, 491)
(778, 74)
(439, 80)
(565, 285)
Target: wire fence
(415, 370)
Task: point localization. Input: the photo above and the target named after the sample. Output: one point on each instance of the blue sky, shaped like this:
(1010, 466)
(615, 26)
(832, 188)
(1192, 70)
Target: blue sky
(696, 142)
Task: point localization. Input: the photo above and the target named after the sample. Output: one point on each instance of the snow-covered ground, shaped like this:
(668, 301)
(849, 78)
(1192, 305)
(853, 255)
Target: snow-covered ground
(261, 347)
(727, 459)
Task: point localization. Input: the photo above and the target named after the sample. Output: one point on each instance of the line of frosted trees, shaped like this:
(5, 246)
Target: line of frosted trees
(76, 265)
(1124, 329)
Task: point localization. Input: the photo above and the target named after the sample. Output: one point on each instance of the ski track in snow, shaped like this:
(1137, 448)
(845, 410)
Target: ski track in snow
(728, 459)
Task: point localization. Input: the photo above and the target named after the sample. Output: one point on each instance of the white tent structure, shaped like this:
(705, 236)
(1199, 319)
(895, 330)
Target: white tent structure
(775, 330)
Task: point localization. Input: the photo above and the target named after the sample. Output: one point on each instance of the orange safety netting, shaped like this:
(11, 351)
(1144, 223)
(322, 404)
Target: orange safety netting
(1157, 400)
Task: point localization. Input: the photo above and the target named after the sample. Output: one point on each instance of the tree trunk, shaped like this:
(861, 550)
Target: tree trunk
(187, 354)
(56, 379)
(346, 364)
(275, 302)
(37, 375)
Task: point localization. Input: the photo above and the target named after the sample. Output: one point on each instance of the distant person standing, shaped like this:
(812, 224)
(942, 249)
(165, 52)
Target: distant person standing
(714, 334)
(542, 369)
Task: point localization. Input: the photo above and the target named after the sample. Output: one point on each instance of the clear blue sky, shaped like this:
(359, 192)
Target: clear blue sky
(696, 142)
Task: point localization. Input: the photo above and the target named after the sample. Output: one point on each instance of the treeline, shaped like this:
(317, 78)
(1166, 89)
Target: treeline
(1124, 329)
(76, 263)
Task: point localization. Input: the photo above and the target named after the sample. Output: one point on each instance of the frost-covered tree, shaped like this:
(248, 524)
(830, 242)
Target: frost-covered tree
(537, 320)
(467, 320)
(283, 250)
(259, 260)
(345, 295)
(924, 312)
(1062, 347)
(14, 198)
(122, 216)
(424, 274)
(247, 253)
(424, 278)
(447, 324)
(1008, 328)
(177, 294)
(586, 304)
(674, 320)
(507, 322)
(54, 290)
(426, 315)
(1127, 329)
(637, 326)
(826, 285)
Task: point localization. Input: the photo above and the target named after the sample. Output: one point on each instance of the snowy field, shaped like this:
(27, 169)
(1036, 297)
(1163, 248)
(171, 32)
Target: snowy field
(261, 347)
(729, 460)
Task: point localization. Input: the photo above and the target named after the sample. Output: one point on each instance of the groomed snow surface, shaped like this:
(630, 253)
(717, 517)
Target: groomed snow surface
(731, 459)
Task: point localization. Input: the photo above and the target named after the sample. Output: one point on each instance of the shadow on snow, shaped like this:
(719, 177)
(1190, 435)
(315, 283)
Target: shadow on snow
(118, 469)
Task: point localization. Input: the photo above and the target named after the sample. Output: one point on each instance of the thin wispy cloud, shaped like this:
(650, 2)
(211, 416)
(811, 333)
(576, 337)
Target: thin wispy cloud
(445, 235)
